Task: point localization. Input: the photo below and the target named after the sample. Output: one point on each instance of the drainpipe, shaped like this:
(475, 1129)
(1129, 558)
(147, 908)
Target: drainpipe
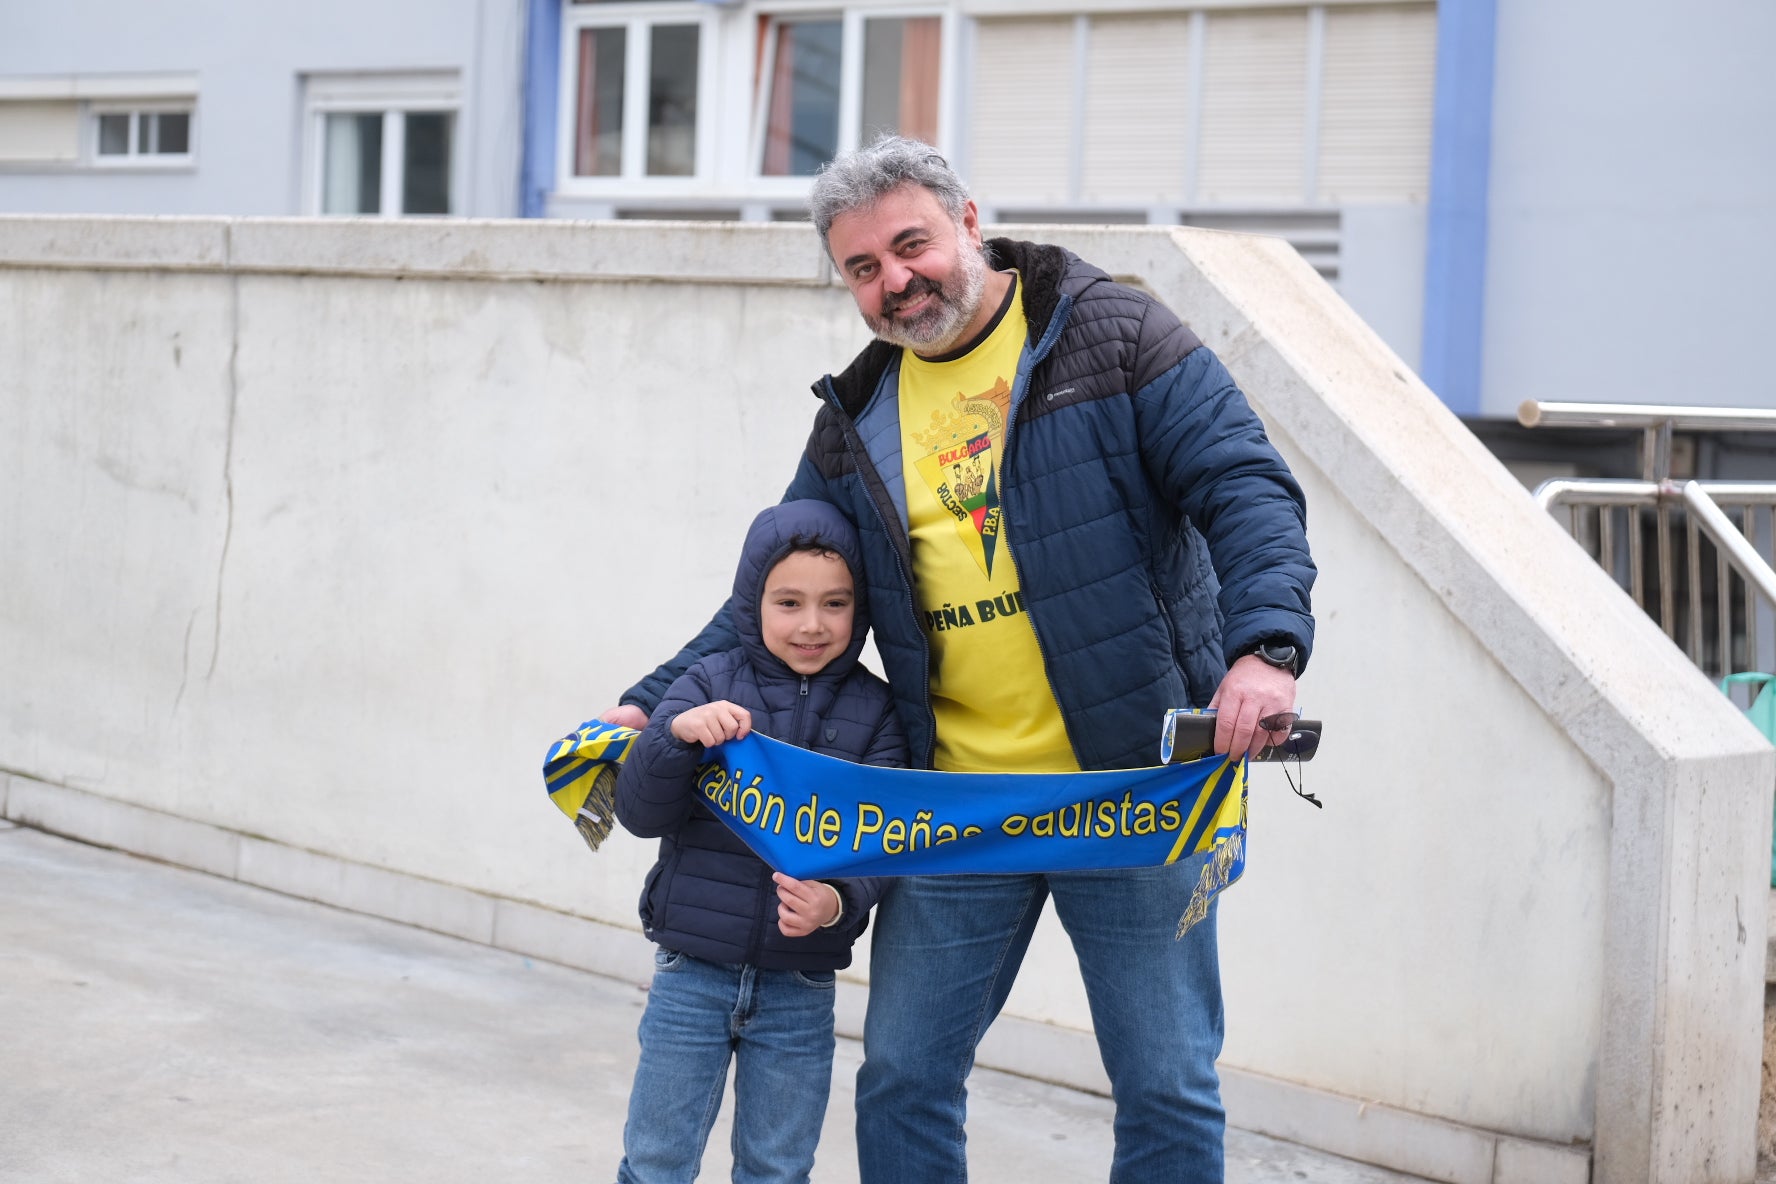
(542, 71)
(1461, 162)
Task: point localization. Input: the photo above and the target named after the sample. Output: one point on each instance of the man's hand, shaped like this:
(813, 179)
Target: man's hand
(1252, 690)
(712, 723)
(626, 716)
(805, 905)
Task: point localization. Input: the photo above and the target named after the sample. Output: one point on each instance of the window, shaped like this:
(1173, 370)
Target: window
(1236, 106)
(677, 107)
(802, 121)
(900, 77)
(598, 135)
(831, 82)
(365, 172)
(142, 135)
(672, 101)
(636, 80)
(80, 121)
(381, 144)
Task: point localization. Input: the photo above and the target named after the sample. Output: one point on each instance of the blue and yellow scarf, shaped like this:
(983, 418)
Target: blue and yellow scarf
(815, 817)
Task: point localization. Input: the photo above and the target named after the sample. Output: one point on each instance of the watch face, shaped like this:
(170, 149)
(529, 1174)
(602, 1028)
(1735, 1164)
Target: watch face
(1280, 656)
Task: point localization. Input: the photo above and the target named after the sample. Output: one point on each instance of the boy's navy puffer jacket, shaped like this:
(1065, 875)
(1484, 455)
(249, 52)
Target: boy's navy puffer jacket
(708, 895)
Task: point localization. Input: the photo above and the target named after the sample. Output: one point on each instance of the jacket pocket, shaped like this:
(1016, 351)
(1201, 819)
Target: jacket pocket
(1164, 605)
(659, 876)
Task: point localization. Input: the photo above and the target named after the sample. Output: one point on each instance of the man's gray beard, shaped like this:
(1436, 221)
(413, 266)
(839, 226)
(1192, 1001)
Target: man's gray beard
(939, 329)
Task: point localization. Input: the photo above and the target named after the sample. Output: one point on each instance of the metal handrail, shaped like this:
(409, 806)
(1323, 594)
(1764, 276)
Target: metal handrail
(1564, 492)
(1534, 414)
(1657, 423)
(1699, 497)
(1720, 529)
(1560, 492)
(1736, 548)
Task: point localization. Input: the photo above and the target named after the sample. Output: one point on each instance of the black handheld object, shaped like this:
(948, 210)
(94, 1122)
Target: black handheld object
(1190, 735)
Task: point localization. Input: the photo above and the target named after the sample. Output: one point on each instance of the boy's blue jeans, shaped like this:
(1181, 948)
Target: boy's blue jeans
(945, 953)
(776, 1024)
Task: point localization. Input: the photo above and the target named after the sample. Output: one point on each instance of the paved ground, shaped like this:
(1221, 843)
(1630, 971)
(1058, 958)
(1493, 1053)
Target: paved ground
(160, 1025)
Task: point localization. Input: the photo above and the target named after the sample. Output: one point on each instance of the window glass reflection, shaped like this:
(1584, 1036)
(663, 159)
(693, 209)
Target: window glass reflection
(672, 101)
(802, 121)
(598, 138)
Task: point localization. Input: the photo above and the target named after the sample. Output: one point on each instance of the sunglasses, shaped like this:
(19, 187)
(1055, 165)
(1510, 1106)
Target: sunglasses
(1302, 742)
(1190, 735)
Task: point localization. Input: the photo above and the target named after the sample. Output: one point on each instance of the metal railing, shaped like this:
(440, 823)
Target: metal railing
(1722, 609)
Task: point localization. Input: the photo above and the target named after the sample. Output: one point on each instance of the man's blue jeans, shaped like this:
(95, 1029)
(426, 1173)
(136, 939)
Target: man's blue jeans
(945, 953)
(776, 1024)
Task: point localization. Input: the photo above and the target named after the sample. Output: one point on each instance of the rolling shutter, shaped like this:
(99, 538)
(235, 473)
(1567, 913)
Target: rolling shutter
(1020, 130)
(1254, 118)
(1137, 109)
(1375, 107)
(39, 131)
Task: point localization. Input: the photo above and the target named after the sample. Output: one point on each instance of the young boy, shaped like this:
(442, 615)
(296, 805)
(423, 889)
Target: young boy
(746, 957)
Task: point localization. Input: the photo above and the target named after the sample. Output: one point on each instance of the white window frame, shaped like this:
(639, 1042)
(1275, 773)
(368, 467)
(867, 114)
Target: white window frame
(134, 158)
(1037, 8)
(852, 19)
(90, 95)
(638, 21)
(393, 95)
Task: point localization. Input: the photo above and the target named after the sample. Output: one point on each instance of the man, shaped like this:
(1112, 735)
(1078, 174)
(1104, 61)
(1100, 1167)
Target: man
(1137, 545)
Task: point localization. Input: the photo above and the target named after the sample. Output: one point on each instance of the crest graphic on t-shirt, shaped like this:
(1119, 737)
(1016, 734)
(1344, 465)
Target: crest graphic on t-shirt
(961, 470)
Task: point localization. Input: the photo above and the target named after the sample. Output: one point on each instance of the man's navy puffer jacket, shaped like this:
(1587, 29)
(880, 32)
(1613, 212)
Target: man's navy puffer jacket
(1158, 534)
(708, 895)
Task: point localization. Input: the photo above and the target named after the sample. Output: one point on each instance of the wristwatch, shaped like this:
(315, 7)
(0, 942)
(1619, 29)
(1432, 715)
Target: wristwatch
(1281, 654)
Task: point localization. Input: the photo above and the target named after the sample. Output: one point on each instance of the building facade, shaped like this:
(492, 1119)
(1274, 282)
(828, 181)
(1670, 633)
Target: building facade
(386, 108)
(1559, 201)
(1308, 121)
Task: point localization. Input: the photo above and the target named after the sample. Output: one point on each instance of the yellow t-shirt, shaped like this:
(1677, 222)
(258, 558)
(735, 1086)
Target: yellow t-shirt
(995, 709)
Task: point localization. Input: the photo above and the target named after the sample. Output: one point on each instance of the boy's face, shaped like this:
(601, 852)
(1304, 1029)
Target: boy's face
(806, 611)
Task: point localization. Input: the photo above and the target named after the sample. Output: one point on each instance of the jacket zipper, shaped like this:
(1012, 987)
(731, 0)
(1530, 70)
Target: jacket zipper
(1005, 527)
(795, 721)
(906, 577)
(765, 889)
(1049, 337)
(757, 947)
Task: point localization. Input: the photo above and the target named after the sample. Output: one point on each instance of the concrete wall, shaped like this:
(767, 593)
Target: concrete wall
(317, 533)
(1631, 204)
(250, 59)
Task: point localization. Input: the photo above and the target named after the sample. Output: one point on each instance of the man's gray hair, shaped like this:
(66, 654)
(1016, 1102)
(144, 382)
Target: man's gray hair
(858, 179)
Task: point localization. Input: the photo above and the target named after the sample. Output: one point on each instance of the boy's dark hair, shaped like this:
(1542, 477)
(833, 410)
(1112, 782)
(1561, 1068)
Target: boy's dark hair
(803, 543)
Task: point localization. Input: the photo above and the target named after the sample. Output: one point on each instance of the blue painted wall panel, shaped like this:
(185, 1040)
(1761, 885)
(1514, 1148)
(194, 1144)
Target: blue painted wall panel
(1456, 242)
(542, 76)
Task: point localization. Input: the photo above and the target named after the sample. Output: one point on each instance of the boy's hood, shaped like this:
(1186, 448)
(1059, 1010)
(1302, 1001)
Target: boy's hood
(770, 538)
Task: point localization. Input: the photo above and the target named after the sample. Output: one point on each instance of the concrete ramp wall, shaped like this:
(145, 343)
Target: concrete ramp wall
(314, 534)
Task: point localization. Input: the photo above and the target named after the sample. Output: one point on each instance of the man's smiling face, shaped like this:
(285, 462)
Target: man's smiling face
(917, 275)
